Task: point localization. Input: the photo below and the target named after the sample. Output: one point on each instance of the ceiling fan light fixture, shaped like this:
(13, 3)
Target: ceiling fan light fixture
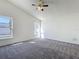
(40, 5)
(40, 8)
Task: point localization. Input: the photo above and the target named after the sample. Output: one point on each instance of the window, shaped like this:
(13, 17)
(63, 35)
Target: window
(6, 27)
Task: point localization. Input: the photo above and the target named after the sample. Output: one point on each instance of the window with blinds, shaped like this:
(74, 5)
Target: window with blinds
(6, 27)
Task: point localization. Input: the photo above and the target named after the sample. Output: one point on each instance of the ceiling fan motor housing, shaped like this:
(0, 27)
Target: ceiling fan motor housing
(40, 5)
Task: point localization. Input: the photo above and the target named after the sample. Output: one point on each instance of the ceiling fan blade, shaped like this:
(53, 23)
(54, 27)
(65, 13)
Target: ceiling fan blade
(45, 5)
(33, 5)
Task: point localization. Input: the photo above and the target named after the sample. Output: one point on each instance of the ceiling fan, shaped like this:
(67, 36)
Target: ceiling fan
(40, 5)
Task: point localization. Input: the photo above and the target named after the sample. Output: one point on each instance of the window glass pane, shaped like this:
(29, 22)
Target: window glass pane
(5, 27)
(4, 31)
(4, 19)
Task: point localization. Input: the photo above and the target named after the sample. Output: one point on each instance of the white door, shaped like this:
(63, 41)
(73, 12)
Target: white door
(37, 29)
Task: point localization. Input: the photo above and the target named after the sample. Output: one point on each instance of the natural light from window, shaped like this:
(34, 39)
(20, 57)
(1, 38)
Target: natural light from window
(6, 27)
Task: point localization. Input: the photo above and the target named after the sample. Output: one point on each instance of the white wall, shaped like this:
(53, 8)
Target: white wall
(23, 23)
(62, 27)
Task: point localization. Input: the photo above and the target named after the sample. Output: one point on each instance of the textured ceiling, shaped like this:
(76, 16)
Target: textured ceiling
(56, 7)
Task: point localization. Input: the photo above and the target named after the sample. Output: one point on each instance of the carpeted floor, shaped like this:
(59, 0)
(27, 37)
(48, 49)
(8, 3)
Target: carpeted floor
(31, 50)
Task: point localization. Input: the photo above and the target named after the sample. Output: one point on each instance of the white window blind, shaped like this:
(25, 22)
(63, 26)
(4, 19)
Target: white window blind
(6, 27)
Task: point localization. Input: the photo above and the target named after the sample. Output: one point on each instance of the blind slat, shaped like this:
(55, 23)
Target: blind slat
(4, 31)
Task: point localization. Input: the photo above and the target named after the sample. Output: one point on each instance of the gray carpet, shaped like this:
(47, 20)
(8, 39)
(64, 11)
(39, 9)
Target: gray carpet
(31, 51)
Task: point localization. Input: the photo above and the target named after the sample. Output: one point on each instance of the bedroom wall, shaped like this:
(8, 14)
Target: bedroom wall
(23, 23)
(62, 27)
